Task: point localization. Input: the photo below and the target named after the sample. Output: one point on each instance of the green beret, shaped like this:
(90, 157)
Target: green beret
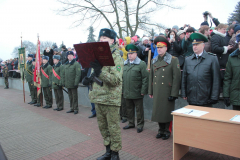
(131, 48)
(197, 38)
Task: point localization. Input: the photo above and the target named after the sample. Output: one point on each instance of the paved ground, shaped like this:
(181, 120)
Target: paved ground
(28, 132)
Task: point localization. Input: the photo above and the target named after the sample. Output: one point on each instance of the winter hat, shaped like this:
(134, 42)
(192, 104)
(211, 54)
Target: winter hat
(134, 38)
(190, 30)
(45, 57)
(204, 23)
(55, 49)
(175, 27)
(180, 32)
(236, 28)
(56, 57)
(108, 33)
(120, 41)
(144, 38)
(70, 53)
(30, 55)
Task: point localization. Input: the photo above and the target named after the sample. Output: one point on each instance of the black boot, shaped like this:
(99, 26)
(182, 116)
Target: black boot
(107, 155)
(115, 156)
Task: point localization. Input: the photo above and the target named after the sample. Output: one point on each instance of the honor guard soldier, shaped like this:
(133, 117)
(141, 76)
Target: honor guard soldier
(57, 82)
(107, 97)
(71, 77)
(164, 85)
(135, 85)
(201, 75)
(46, 81)
(29, 79)
(5, 75)
(35, 88)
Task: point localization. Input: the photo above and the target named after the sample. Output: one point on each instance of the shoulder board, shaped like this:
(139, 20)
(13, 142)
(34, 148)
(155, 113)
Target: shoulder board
(211, 53)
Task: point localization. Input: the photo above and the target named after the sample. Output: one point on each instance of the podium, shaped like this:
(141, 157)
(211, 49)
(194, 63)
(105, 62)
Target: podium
(213, 132)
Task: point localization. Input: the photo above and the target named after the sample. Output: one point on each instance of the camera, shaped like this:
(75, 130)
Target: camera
(205, 13)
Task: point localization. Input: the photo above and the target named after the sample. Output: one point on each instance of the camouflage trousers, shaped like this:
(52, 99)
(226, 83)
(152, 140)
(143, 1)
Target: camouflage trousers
(108, 122)
(6, 81)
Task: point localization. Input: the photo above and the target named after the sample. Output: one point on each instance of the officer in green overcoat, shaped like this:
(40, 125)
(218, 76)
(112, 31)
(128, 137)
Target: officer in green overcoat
(71, 77)
(46, 81)
(164, 85)
(5, 75)
(135, 86)
(29, 78)
(57, 82)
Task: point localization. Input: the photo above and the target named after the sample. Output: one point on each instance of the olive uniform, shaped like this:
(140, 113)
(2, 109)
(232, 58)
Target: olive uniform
(29, 79)
(71, 77)
(57, 83)
(46, 82)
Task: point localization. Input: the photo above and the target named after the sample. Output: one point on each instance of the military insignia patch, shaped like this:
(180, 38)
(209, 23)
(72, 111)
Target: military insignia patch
(178, 66)
(118, 68)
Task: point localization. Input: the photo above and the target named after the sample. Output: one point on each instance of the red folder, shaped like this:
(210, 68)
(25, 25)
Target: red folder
(88, 52)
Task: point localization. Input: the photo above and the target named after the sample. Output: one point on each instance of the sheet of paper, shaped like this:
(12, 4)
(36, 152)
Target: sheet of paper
(183, 110)
(236, 118)
(198, 113)
(191, 112)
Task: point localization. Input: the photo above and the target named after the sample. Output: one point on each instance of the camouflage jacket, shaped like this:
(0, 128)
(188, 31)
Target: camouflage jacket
(111, 91)
(5, 71)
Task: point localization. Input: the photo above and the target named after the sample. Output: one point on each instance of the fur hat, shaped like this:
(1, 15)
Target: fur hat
(108, 33)
(45, 57)
(56, 57)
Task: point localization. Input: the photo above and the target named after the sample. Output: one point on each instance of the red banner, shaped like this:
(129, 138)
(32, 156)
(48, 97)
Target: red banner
(37, 78)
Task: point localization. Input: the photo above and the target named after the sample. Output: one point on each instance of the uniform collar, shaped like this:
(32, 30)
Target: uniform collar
(167, 58)
(136, 61)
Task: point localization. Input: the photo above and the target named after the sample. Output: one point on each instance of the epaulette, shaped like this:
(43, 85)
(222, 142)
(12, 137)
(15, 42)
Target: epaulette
(211, 53)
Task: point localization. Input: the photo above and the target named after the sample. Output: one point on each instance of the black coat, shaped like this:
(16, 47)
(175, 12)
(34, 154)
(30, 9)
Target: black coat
(176, 51)
(50, 55)
(201, 79)
(16, 64)
(64, 56)
(219, 47)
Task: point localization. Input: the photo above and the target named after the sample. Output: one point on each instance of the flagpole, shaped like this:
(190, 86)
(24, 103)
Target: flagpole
(41, 95)
(23, 74)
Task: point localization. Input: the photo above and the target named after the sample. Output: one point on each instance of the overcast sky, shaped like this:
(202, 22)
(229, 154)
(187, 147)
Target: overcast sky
(30, 17)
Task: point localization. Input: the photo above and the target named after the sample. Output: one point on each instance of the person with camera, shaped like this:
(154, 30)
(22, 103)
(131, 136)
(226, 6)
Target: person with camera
(49, 52)
(205, 16)
(186, 43)
(144, 48)
(220, 47)
(233, 41)
(231, 87)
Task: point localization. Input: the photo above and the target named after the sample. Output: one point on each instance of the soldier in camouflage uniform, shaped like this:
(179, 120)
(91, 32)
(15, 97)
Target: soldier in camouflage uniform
(57, 82)
(5, 75)
(107, 98)
(46, 81)
(29, 78)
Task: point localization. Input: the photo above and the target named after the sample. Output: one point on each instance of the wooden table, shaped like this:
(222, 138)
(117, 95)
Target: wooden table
(213, 132)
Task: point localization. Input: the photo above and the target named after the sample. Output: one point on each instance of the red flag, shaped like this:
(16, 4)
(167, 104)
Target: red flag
(37, 76)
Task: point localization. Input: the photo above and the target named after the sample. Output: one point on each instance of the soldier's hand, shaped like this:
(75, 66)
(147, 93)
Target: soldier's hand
(151, 96)
(171, 98)
(97, 67)
(86, 81)
(185, 98)
(227, 101)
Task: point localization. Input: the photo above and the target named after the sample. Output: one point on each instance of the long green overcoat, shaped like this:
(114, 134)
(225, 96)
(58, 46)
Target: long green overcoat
(164, 81)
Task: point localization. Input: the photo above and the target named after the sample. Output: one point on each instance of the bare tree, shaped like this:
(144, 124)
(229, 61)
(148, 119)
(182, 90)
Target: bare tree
(126, 16)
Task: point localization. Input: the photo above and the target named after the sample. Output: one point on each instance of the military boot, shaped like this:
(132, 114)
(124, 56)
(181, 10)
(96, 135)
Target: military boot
(107, 155)
(115, 156)
(6, 87)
